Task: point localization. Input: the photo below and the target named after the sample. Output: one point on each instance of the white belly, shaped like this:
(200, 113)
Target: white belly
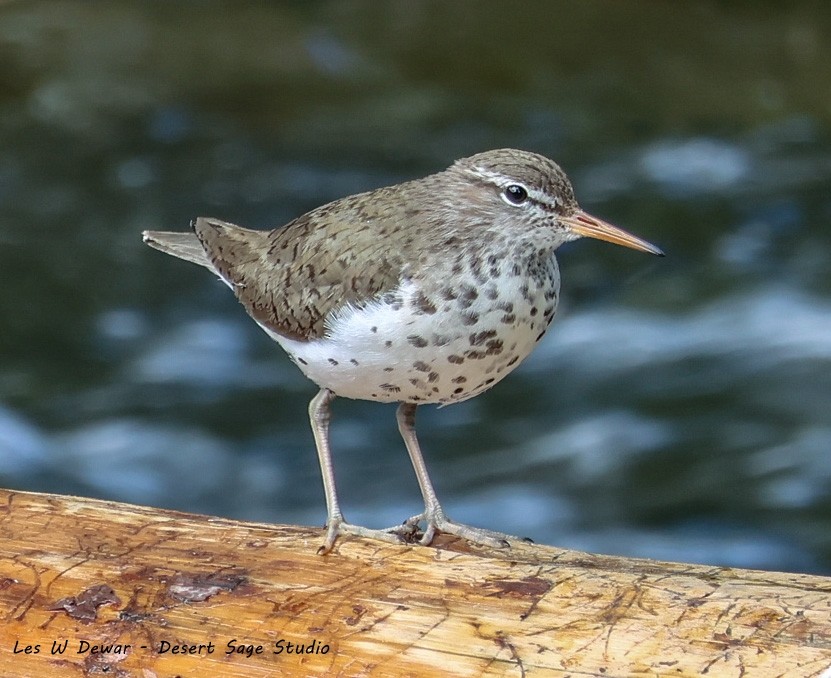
(400, 352)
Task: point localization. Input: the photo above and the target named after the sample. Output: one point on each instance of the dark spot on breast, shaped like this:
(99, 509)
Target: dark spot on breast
(433, 377)
(506, 306)
(417, 341)
(440, 340)
(353, 361)
(455, 359)
(421, 366)
(475, 355)
(474, 264)
(516, 270)
(494, 347)
(393, 300)
(448, 294)
(470, 318)
(423, 304)
(534, 311)
(459, 380)
(332, 361)
(540, 336)
(392, 388)
(302, 362)
(491, 292)
(458, 390)
(513, 360)
(387, 343)
(508, 318)
(373, 329)
(388, 369)
(468, 292)
(479, 338)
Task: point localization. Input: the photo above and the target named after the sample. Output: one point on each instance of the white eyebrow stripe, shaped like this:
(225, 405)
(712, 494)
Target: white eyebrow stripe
(540, 197)
(504, 181)
(488, 175)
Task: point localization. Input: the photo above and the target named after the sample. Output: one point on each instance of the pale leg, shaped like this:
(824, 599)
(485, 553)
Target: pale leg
(335, 524)
(433, 515)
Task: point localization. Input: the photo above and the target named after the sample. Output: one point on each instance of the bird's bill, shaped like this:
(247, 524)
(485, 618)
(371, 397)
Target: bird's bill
(591, 227)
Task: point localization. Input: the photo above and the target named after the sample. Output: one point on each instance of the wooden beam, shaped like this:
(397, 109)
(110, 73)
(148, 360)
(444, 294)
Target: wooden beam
(90, 587)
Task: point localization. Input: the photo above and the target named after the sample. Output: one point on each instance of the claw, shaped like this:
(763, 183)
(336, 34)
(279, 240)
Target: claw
(337, 527)
(476, 535)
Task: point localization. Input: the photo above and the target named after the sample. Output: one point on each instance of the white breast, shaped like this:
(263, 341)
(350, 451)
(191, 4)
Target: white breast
(393, 349)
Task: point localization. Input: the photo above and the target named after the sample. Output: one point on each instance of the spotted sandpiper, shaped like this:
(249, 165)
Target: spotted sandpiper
(429, 291)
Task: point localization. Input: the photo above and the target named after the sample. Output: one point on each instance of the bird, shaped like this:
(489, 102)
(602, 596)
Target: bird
(429, 291)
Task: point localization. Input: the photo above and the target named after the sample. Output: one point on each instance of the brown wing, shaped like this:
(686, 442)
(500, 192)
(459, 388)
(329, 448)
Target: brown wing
(291, 278)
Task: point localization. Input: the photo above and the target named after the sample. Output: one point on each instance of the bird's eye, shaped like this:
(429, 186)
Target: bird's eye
(514, 194)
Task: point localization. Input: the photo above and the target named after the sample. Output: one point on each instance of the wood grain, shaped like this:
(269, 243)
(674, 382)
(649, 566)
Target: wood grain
(93, 573)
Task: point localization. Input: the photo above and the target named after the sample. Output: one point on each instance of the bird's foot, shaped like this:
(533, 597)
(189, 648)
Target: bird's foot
(399, 534)
(438, 522)
(409, 532)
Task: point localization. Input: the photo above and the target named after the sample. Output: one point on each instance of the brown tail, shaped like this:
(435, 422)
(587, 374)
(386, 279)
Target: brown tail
(183, 245)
